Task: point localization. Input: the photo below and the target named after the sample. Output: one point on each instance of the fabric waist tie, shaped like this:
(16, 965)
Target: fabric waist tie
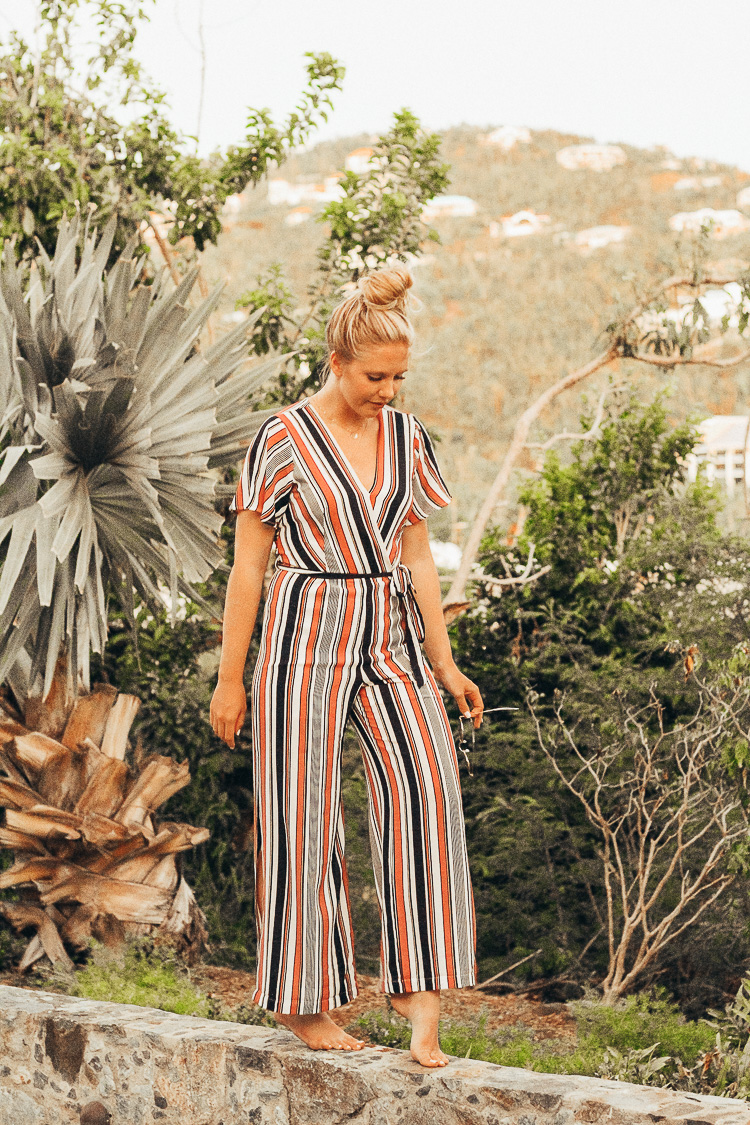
(403, 587)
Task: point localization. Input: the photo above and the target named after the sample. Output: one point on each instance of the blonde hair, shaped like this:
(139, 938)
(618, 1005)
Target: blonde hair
(375, 313)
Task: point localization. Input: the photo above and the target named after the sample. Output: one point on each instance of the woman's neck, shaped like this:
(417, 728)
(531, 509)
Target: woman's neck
(335, 408)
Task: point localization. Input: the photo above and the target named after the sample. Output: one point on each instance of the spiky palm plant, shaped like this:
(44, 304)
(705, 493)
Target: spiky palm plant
(112, 418)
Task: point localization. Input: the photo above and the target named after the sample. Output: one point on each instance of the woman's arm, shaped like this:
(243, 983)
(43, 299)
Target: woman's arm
(416, 554)
(252, 546)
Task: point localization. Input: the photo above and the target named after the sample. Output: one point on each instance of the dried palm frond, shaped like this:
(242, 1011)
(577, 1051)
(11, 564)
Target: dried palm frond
(88, 857)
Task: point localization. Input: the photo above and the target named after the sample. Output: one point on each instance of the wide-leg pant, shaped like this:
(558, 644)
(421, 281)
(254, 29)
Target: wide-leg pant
(334, 650)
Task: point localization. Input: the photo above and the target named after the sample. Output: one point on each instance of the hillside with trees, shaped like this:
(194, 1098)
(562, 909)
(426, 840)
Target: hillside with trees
(504, 317)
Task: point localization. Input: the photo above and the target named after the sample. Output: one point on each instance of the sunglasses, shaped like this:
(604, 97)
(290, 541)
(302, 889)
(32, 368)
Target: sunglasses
(462, 742)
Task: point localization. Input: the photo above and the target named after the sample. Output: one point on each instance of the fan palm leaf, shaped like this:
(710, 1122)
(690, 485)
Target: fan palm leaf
(113, 418)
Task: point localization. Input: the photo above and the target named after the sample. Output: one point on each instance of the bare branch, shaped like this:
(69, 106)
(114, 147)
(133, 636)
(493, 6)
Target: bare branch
(680, 361)
(455, 600)
(666, 815)
(523, 579)
(589, 435)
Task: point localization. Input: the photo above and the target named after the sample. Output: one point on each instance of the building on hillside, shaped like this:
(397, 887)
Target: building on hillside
(595, 238)
(520, 224)
(724, 448)
(297, 216)
(506, 137)
(278, 191)
(724, 223)
(445, 206)
(302, 191)
(697, 183)
(671, 165)
(743, 199)
(447, 556)
(233, 204)
(717, 303)
(597, 158)
(359, 161)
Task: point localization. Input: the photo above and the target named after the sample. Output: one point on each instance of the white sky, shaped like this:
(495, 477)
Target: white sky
(644, 72)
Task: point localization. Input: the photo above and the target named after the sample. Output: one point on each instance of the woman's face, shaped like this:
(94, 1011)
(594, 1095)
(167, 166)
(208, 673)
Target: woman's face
(370, 381)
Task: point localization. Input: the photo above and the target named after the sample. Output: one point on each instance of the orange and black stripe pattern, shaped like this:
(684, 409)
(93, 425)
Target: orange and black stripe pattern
(335, 649)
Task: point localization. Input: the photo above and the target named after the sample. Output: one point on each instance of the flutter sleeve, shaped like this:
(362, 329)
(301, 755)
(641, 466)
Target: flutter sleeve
(267, 474)
(429, 490)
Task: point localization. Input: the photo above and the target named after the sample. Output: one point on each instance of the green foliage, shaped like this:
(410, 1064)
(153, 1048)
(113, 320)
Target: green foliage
(634, 575)
(585, 513)
(173, 672)
(136, 974)
(273, 299)
(65, 147)
(603, 1032)
(641, 1020)
(112, 420)
(380, 213)
(378, 220)
(721, 1068)
(146, 974)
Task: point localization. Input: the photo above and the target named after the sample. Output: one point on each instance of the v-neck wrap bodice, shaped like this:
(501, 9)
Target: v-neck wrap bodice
(297, 478)
(327, 522)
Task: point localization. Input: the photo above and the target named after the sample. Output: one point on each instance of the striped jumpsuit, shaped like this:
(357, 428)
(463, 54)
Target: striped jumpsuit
(335, 648)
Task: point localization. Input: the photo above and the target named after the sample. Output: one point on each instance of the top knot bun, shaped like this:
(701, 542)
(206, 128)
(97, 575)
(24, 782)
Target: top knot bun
(385, 289)
(375, 312)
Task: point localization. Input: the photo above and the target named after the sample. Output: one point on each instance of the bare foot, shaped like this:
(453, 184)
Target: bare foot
(422, 1009)
(319, 1032)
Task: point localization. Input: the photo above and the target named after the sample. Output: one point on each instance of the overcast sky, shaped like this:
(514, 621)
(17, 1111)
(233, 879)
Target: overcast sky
(645, 72)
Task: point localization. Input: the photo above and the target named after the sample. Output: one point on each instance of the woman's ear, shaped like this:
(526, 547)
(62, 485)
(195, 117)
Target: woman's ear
(334, 363)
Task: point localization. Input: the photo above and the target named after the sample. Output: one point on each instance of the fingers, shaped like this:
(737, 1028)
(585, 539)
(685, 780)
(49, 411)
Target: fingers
(463, 706)
(227, 729)
(474, 697)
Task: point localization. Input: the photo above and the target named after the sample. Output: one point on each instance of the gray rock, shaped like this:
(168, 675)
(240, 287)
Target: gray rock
(116, 1064)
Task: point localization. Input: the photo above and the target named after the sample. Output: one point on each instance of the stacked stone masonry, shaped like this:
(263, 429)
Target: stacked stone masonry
(65, 1061)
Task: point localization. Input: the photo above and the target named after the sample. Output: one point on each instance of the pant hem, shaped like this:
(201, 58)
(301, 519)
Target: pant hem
(428, 984)
(328, 1005)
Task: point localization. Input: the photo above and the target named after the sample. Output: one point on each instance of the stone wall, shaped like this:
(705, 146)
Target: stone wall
(78, 1062)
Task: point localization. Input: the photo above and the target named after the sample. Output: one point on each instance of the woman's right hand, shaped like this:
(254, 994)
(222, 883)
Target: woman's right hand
(228, 710)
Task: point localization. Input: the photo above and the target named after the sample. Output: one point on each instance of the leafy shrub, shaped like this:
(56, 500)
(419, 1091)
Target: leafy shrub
(613, 1040)
(638, 1022)
(723, 1069)
(149, 975)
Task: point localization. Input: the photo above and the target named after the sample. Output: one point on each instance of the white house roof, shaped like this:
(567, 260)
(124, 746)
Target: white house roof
(594, 237)
(729, 220)
(722, 431)
(597, 157)
(450, 204)
(507, 136)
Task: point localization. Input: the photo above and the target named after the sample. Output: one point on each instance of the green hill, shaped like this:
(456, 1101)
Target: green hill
(502, 317)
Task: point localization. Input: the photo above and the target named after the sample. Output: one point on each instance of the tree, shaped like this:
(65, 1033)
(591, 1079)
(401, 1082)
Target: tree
(66, 147)
(644, 334)
(377, 220)
(637, 567)
(113, 421)
(666, 810)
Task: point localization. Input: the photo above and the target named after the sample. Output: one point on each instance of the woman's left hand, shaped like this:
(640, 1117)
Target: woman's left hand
(466, 693)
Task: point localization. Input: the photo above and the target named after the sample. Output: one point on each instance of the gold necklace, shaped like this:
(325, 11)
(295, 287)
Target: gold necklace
(344, 428)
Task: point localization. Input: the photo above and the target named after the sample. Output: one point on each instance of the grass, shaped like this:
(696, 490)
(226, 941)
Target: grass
(150, 976)
(635, 1023)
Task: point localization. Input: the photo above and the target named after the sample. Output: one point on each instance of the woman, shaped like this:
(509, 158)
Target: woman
(342, 484)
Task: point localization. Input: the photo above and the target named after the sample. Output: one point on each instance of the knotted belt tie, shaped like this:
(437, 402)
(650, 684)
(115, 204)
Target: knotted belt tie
(403, 586)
